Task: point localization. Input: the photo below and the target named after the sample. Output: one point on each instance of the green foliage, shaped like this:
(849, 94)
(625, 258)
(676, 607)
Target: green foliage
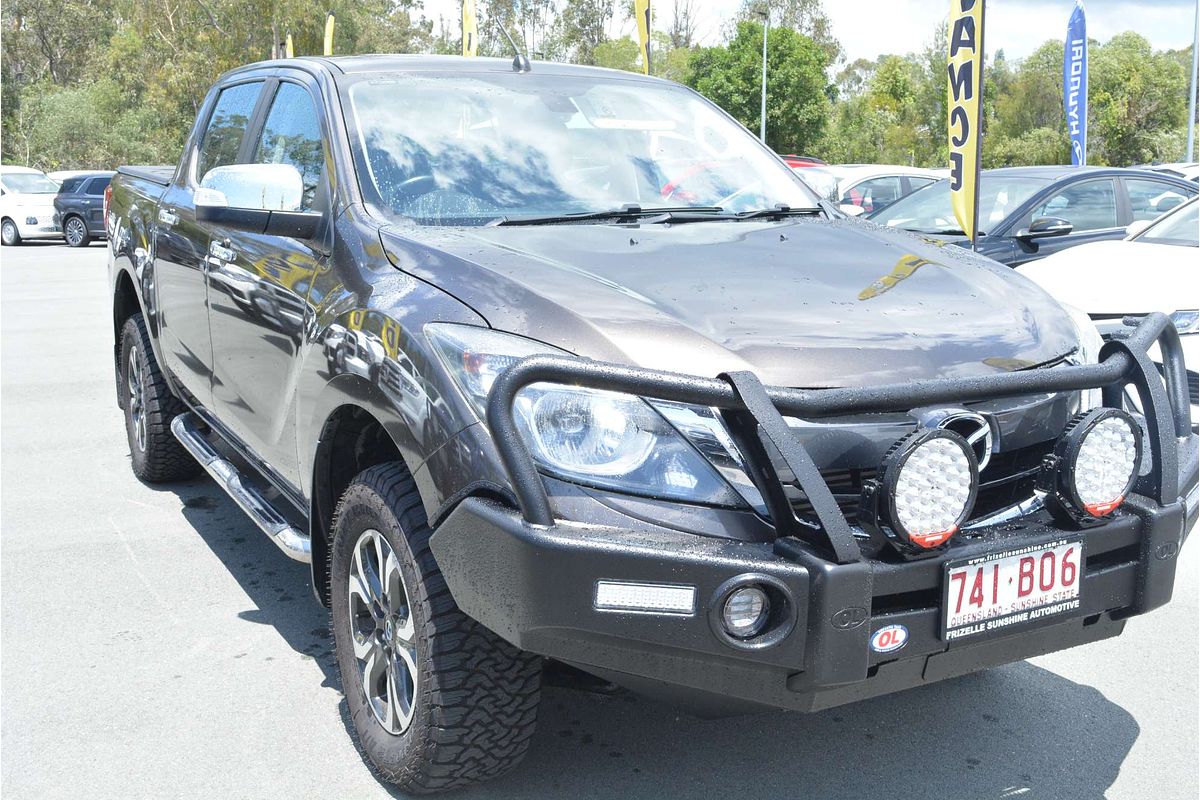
(618, 54)
(92, 83)
(797, 88)
(1135, 95)
(84, 126)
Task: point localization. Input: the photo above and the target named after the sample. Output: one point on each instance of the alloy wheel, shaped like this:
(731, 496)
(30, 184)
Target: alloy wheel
(76, 231)
(383, 633)
(8, 234)
(137, 397)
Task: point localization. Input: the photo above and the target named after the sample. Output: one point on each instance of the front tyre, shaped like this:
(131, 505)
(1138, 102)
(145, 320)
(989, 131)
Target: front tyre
(149, 406)
(438, 701)
(10, 236)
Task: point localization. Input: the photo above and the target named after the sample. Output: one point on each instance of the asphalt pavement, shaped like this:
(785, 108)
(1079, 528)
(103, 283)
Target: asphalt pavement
(154, 644)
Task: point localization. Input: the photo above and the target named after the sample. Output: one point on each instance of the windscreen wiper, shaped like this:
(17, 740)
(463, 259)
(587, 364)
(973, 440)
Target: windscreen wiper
(777, 212)
(630, 212)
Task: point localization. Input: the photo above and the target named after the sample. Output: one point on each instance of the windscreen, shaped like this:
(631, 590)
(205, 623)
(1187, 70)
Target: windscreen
(28, 183)
(471, 149)
(1180, 228)
(928, 210)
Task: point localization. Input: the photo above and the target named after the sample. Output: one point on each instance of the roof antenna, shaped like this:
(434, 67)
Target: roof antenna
(520, 62)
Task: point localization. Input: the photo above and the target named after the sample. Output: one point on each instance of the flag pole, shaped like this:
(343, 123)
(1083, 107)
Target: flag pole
(978, 131)
(1191, 136)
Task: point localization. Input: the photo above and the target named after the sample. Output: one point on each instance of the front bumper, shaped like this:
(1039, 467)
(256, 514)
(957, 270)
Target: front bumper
(535, 587)
(532, 578)
(44, 226)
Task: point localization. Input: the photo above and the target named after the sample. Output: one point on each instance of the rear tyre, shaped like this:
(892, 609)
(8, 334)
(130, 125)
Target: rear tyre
(149, 406)
(76, 233)
(9, 235)
(438, 701)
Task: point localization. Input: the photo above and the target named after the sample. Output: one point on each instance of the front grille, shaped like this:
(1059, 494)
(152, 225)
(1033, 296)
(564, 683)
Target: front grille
(1193, 386)
(1008, 479)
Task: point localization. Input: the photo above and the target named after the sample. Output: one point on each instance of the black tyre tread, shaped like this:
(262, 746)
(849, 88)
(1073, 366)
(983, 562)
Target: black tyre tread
(165, 459)
(483, 692)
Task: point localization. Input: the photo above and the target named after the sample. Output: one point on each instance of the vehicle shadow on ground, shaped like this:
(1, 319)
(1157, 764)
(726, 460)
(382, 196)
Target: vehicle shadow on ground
(1014, 731)
(279, 588)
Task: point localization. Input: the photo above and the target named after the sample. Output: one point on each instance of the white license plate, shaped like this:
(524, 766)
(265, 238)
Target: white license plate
(1012, 588)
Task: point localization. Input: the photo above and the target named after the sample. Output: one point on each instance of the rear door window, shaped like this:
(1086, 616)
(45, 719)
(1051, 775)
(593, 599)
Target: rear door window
(226, 127)
(96, 186)
(875, 193)
(1149, 199)
(1087, 205)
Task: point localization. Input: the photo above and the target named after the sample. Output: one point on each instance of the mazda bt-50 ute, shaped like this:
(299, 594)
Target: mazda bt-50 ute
(561, 365)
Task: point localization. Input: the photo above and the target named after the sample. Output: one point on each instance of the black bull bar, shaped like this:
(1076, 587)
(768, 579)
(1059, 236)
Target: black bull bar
(755, 414)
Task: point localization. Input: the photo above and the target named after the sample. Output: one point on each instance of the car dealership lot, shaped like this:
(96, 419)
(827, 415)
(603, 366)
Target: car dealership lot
(155, 644)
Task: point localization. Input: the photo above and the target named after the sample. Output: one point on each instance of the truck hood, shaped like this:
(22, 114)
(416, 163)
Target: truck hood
(803, 302)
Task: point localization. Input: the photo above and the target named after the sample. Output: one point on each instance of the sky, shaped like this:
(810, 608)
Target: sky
(869, 28)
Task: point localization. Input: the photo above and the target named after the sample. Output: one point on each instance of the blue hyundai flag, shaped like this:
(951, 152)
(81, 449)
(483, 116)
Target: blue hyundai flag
(1075, 83)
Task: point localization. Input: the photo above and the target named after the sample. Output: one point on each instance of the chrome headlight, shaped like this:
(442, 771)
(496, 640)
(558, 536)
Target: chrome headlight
(1090, 342)
(603, 439)
(1186, 320)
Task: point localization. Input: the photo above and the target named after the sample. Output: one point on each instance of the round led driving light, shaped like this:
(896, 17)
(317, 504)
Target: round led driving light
(1094, 466)
(745, 612)
(928, 482)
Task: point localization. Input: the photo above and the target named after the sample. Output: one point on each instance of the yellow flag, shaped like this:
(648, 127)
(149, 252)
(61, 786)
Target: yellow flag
(329, 35)
(641, 10)
(964, 93)
(470, 29)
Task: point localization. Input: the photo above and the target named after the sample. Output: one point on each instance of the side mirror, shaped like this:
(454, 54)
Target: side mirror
(851, 210)
(259, 198)
(1044, 227)
(1136, 227)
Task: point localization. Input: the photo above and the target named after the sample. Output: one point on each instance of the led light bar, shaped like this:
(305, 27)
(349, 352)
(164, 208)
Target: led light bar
(647, 598)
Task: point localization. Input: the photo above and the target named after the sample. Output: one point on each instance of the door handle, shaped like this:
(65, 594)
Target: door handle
(167, 216)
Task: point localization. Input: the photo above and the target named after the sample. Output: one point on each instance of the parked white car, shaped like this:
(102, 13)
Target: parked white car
(26, 206)
(863, 188)
(1155, 268)
(1182, 169)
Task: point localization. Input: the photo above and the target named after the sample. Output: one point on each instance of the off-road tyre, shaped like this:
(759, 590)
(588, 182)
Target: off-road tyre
(476, 697)
(158, 457)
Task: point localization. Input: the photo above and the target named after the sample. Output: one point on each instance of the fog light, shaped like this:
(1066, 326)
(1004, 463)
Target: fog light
(745, 612)
(31, 221)
(925, 490)
(1094, 465)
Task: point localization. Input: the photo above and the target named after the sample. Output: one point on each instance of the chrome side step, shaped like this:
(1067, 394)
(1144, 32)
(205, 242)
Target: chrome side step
(293, 542)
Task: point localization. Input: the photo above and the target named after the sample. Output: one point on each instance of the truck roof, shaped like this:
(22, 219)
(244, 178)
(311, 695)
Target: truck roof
(365, 64)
